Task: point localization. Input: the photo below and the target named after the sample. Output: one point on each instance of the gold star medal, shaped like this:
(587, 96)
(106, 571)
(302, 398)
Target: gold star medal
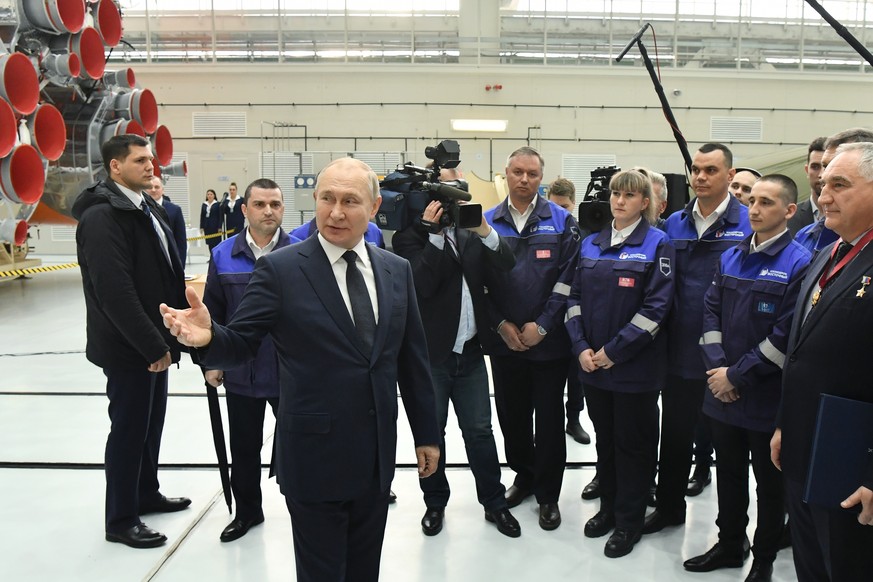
(865, 281)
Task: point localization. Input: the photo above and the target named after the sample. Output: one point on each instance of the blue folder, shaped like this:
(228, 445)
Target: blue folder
(842, 449)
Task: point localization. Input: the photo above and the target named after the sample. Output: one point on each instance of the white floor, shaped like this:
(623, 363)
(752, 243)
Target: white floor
(53, 426)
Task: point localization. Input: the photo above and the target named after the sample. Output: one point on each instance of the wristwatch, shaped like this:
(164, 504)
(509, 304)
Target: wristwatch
(541, 330)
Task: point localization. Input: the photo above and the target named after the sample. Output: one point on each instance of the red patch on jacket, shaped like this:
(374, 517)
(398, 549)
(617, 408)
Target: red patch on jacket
(626, 282)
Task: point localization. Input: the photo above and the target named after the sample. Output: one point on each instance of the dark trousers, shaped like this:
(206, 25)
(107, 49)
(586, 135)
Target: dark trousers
(245, 417)
(575, 391)
(733, 445)
(828, 545)
(463, 379)
(339, 541)
(526, 391)
(137, 407)
(626, 426)
(703, 447)
(681, 399)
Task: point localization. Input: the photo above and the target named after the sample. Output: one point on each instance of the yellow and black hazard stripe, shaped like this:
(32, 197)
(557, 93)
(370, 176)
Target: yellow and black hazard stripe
(206, 236)
(32, 270)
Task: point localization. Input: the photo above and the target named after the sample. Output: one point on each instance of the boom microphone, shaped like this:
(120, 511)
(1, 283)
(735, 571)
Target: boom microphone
(447, 191)
(633, 41)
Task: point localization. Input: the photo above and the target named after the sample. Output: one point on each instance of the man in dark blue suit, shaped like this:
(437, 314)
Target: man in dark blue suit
(174, 216)
(343, 317)
(829, 353)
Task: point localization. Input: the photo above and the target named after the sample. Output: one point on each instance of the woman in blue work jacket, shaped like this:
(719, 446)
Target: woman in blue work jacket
(620, 298)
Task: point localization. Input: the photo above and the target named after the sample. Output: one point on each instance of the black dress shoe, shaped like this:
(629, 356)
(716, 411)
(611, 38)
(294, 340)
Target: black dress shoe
(592, 490)
(621, 542)
(717, 557)
(575, 430)
(550, 516)
(515, 495)
(139, 536)
(392, 497)
(432, 522)
(761, 571)
(505, 522)
(164, 505)
(600, 524)
(701, 477)
(651, 500)
(238, 528)
(656, 521)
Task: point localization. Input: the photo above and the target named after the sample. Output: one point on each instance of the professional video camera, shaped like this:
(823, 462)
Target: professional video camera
(407, 191)
(594, 211)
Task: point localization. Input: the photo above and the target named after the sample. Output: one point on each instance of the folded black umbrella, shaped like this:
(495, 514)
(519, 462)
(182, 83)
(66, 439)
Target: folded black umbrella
(218, 440)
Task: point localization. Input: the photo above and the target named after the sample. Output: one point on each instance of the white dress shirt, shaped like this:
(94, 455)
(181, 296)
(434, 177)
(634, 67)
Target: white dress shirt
(339, 266)
(703, 223)
(137, 199)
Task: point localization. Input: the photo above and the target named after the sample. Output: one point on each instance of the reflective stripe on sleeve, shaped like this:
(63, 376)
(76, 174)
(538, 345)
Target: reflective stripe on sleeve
(561, 289)
(710, 337)
(646, 324)
(572, 312)
(771, 353)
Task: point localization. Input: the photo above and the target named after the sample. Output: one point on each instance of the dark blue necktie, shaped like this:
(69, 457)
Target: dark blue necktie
(359, 297)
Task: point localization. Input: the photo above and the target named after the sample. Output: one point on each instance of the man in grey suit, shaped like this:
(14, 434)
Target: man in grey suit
(829, 353)
(345, 322)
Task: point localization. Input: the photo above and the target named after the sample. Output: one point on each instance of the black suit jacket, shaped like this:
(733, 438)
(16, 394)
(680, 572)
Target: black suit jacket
(233, 219)
(337, 424)
(177, 225)
(437, 275)
(125, 276)
(801, 218)
(829, 354)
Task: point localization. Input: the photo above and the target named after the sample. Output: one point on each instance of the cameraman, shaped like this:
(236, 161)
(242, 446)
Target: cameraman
(451, 268)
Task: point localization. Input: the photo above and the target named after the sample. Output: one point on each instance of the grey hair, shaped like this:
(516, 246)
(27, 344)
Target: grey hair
(865, 162)
(372, 178)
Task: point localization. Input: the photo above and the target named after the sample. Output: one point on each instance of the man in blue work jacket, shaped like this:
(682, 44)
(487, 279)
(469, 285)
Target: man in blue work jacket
(709, 225)
(746, 320)
(255, 384)
(529, 360)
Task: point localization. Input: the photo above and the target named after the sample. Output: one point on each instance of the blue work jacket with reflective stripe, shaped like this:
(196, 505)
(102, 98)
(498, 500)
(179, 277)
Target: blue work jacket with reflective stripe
(696, 260)
(537, 288)
(747, 317)
(619, 301)
(229, 273)
(815, 236)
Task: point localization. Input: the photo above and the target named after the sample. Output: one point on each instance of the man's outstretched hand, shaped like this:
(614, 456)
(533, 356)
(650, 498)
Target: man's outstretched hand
(192, 326)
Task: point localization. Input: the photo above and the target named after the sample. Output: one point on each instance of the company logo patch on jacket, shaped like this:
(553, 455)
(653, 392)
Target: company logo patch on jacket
(544, 254)
(773, 274)
(633, 256)
(767, 307)
(626, 282)
(664, 266)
